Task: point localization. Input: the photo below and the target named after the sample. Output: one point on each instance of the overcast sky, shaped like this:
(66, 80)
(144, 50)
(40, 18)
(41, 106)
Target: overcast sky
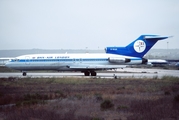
(81, 24)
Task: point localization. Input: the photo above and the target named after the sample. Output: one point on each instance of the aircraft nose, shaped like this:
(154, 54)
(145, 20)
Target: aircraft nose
(8, 64)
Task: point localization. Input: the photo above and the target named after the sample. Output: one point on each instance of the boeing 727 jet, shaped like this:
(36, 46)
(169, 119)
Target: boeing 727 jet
(88, 63)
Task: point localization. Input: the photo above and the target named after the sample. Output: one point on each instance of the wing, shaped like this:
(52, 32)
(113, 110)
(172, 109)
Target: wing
(95, 67)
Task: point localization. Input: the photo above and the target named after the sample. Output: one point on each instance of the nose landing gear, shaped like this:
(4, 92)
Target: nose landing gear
(24, 73)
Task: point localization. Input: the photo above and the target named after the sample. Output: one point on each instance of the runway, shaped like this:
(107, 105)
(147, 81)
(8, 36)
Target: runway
(120, 73)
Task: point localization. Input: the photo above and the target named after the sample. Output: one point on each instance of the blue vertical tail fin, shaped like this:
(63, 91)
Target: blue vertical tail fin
(138, 48)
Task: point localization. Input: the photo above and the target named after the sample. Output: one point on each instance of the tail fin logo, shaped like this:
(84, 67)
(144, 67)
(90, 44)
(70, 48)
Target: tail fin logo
(139, 46)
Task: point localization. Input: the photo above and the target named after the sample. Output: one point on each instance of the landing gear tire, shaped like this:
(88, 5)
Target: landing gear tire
(87, 73)
(93, 73)
(24, 73)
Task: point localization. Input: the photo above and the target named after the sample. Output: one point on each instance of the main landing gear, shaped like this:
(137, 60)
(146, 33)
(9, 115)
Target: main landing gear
(87, 73)
(24, 73)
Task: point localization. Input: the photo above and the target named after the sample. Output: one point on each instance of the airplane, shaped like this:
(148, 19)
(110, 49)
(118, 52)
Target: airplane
(4, 60)
(157, 62)
(87, 63)
(177, 65)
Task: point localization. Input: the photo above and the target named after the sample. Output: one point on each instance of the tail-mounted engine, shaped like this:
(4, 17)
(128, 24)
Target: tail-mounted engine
(118, 60)
(128, 60)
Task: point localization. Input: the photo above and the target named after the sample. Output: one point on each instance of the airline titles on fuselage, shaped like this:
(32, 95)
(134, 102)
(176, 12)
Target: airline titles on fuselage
(51, 57)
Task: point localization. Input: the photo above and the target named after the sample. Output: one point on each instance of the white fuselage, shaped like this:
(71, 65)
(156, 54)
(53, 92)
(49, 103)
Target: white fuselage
(75, 62)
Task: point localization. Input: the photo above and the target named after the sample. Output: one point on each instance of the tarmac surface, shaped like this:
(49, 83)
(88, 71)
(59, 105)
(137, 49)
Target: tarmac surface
(119, 73)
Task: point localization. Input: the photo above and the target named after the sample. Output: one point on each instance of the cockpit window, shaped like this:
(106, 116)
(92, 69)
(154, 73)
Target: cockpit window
(15, 60)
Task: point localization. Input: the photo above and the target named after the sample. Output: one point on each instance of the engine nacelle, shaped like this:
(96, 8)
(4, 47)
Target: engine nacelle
(119, 60)
(138, 61)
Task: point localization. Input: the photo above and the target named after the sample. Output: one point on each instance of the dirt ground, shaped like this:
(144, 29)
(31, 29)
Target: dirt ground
(89, 98)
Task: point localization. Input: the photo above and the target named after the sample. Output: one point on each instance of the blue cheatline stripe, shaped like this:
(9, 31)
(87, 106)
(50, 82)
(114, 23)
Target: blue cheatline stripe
(56, 60)
(135, 59)
(67, 60)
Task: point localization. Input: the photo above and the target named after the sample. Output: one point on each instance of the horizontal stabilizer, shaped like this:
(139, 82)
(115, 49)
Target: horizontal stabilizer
(155, 37)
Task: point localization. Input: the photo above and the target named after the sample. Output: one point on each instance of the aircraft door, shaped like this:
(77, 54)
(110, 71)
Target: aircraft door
(27, 60)
(80, 60)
